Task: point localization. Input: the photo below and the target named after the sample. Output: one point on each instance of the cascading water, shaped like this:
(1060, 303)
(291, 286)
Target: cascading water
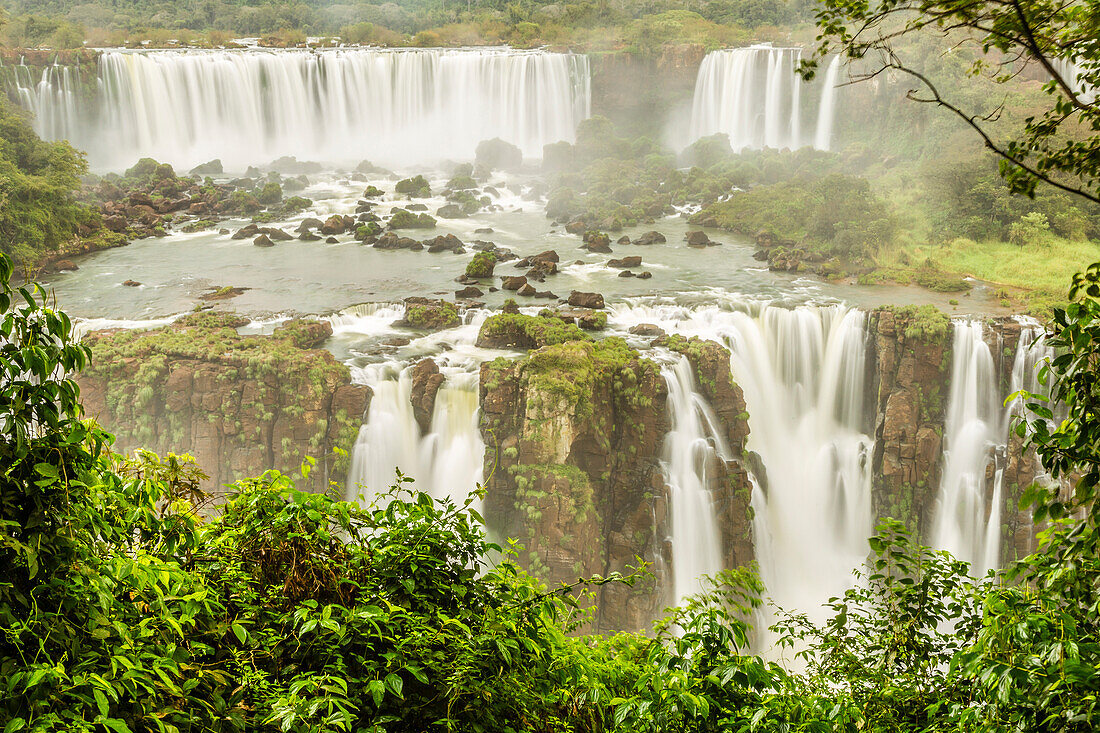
(446, 462)
(696, 541)
(968, 516)
(823, 138)
(803, 375)
(754, 96)
(396, 107)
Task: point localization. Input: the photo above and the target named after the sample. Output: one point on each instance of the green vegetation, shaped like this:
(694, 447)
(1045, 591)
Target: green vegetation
(39, 213)
(527, 332)
(404, 219)
(431, 314)
(416, 186)
(922, 322)
(837, 215)
(481, 265)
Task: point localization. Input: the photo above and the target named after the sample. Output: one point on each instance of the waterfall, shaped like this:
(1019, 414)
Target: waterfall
(968, 514)
(825, 114)
(446, 462)
(754, 95)
(395, 107)
(695, 537)
(803, 375)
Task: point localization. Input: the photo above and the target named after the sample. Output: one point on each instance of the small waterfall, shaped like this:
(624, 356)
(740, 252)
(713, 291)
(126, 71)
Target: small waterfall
(754, 95)
(396, 107)
(696, 539)
(446, 462)
(826, 112)
(968, 517)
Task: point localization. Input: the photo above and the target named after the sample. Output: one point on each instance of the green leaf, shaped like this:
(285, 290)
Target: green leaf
(240, 632)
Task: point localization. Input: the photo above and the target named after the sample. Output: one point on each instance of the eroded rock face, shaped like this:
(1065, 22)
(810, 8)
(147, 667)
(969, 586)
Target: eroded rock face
(729, 480)
(240, 405)
(573, 435)
(910, 388)
(426, 381)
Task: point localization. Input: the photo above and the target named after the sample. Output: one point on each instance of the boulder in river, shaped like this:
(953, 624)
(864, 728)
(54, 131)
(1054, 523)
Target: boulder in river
(513, 283)
(626, 262)
(578, 299)
(652, 237)
(697, 238)
(263, 241)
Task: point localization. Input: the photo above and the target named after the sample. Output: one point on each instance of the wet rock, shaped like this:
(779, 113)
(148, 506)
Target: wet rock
(647, 329)
(497, 154)
(580, 299)
(576, 227)
(416, 207)
(645, 275)
(429, 314)
(697, 239)
(246, 232)
(450, 211)
(547, 294)
(310, 223)
(337, 224)
(483, 230)
(623, 240)
(426, 381)
(632, 261)
(597, 242)
(67, 265)
(627, 273)
(526, 289)
(332, 240)
(513, 283)
(223, 293)
(210, 168)
(650, 238)
(469, 292)
(263, 241)
(308, 236)
(131, 283)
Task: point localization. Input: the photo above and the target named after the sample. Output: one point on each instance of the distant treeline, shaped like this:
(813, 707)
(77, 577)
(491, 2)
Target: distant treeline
(68, 23)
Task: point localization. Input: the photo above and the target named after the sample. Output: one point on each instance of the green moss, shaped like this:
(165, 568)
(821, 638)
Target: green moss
(415, 186)
(922, 322)
(404, 219)
(436, 315)
(528, 332)
(481, 265)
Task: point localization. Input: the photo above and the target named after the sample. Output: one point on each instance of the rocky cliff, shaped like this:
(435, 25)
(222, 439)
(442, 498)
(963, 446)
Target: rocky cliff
(573, 434)
(239, 404)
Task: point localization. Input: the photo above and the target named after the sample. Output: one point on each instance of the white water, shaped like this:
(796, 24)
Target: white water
(394, 107)
(446, 462)
(826, 113)
(968, 515)
(754, 96)
(802, 372)
(688, 454)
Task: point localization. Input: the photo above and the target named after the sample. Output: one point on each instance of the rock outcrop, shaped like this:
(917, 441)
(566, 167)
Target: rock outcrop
(239, 404)
(573, 434)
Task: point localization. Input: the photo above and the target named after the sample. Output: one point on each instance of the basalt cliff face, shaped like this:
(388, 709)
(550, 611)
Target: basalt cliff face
(573, 435)
(239, 404)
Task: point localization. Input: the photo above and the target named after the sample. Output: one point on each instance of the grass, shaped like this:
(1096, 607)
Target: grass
(1047, 267)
